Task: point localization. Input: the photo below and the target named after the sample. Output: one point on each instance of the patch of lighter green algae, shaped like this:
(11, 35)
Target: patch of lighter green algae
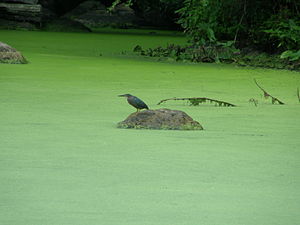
(63, 161)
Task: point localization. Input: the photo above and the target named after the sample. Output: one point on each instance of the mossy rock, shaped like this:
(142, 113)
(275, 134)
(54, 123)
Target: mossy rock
(17, 25)
(10, 55)
(160, 119)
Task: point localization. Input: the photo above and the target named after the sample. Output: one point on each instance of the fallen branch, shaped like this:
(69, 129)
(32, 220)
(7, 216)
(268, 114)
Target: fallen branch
(267, 95)
(197, 101)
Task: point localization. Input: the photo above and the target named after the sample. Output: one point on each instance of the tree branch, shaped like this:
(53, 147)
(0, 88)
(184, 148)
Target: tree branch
(266, 94)
(238, 27)
(197, 101)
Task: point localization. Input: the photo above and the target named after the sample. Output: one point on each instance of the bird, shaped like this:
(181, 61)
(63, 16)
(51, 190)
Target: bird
(135, 102)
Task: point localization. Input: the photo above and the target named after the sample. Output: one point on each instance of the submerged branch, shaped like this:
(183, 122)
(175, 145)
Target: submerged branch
(267, 95)
(197, 101)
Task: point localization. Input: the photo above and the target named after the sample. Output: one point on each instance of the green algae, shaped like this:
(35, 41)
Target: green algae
(64, 162)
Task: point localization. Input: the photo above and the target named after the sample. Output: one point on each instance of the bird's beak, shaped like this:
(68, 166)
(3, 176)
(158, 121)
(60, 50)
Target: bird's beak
(121, 95)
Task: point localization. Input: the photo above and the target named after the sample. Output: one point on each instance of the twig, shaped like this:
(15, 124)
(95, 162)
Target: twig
(266, 94)
(197, 101)
(255, 102)
(240, 22)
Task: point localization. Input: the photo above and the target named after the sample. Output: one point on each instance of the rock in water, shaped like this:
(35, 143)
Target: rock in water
(162, 119)
(10, 55)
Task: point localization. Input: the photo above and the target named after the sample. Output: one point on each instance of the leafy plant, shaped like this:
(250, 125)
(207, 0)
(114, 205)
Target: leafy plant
(286, 32)
(291, 55)
(199, 19)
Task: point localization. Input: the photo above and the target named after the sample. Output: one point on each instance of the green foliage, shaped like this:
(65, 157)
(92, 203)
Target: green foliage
(284, 30)
(248, 23)
(267, 26)
(113, 5)
(158, 12)
(218, 29)
(223, 53)
(198, 19)
(291, 55)
(117, 2)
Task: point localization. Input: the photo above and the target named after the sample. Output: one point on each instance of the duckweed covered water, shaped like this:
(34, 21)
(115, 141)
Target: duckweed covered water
(63, 161)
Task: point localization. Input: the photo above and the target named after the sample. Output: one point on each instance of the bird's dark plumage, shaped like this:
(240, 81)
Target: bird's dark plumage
(135, 102)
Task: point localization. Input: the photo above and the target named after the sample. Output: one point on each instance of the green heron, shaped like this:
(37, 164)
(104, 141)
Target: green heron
(135, 102)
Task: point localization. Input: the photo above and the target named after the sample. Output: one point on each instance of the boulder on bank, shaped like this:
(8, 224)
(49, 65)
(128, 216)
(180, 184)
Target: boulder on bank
(32, 2)
(10, 55)
(16, 25)
(161, 119)
(21, 12)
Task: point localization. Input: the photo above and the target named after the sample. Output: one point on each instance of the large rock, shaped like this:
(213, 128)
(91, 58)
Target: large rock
(21, 12)
(10, 55)
(16, 25)
(164, 119)
(21, 1)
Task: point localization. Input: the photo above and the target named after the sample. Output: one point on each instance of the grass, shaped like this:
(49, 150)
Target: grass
(63, 161)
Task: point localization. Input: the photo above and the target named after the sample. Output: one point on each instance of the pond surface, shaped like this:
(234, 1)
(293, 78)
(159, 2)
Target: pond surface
(63, 161)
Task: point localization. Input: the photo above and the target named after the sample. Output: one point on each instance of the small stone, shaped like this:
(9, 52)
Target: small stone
(161, 119)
